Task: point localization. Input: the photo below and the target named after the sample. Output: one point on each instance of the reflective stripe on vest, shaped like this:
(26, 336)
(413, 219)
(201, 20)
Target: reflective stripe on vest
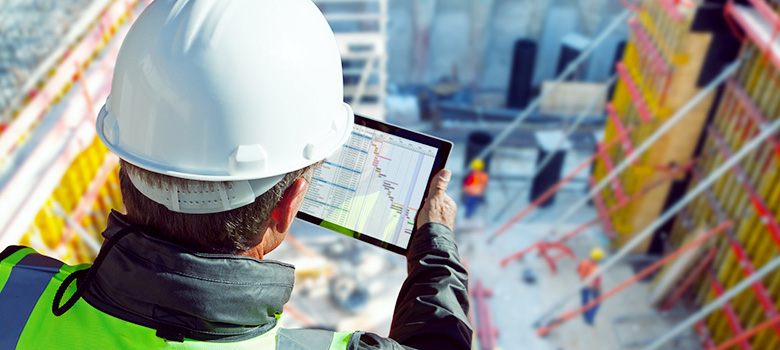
(28, 282)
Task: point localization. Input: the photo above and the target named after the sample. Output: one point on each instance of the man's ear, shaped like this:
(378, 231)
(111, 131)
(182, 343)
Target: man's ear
(288, 206)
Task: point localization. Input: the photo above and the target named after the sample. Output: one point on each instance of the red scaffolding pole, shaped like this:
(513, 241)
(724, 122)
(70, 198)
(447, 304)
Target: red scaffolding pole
(620, 194)
(689, 279)
(614, 116)
(634, 93)
(752, 110)
(602, 211)
(728, 309)
(766, 216)
(759, 288)
(749, 333)
(486, 331)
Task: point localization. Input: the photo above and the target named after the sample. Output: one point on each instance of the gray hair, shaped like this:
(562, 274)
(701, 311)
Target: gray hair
(230, 232)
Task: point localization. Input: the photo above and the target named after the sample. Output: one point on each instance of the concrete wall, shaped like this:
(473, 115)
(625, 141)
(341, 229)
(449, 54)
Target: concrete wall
(428, 37)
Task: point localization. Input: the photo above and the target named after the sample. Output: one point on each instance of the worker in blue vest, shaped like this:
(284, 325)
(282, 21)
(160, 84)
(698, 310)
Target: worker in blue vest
(220, 111)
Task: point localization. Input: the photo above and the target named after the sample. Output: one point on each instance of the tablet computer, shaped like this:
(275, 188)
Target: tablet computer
(372, 188)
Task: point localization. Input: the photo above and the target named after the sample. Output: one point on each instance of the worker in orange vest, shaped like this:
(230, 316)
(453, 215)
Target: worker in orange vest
(474, 186)
(592, 291)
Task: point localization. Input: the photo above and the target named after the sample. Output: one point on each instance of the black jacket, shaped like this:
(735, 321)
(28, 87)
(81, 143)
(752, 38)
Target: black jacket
(216, 297)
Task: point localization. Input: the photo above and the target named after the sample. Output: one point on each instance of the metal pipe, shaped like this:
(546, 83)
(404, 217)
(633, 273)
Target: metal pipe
(749, 333)
(717, 303)
(572, 128)
(668, 214)
(681, 113)
(620, 19)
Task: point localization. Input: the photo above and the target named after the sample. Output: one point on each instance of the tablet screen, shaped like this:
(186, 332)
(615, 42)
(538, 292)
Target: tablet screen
(372, 187)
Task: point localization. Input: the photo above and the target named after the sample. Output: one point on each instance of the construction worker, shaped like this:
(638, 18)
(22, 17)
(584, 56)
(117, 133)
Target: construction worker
(474, 186)
(592, 291)
(219, 111)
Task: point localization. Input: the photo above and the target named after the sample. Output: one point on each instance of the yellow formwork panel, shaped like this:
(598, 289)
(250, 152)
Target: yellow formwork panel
(52, 229)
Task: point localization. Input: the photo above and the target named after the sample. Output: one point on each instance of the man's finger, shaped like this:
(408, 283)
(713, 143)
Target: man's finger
(440, 182)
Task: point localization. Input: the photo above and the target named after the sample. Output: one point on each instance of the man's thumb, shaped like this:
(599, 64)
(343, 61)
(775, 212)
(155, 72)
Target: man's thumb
(440, 182)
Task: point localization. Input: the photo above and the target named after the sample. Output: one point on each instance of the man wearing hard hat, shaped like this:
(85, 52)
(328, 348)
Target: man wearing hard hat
(219, 111)
(474, 185)
(591, 291)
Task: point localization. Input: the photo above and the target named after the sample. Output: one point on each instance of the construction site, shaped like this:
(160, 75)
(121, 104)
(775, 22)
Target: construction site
(638, 138)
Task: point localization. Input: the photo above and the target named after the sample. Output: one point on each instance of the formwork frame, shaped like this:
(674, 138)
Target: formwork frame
(716, 304)
(762, 27)
(668, 214)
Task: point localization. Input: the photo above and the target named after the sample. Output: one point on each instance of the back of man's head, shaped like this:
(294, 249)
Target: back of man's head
(229, 232)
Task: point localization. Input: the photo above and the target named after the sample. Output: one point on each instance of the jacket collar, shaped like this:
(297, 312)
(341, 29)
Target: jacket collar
(152, 282)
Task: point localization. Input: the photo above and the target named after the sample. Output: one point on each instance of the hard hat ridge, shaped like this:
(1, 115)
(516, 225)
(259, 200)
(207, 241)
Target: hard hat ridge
(200, 197)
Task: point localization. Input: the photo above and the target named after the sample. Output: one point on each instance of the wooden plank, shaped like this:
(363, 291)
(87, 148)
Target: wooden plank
(677, 146)
(571, 98)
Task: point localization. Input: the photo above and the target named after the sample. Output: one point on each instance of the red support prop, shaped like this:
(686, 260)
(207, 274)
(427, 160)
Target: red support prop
(749, 333)
(615, 182)
(544, 250)
(486, 332)
(639, 276)
(615, 118)
(519, 254)
(601, 208)
(634, 92)
(688, 281)
(646, 43)
(544, 247)
(767, 218)
(752, 110)
(550, 191)
(728, 309)
(759, 288)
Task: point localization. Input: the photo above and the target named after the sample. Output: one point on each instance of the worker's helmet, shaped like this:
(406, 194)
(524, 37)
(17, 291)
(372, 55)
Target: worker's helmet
(597, 254)
(239, 91)
(477, 164)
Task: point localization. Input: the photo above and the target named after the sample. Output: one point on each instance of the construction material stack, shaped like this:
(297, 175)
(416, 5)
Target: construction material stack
(662, 69)
(57, 180)
(748, 195)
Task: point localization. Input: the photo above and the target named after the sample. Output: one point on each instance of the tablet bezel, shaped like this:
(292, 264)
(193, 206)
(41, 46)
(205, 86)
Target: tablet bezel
(443, 148)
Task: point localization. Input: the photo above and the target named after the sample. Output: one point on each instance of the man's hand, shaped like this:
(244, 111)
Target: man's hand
(438, 206)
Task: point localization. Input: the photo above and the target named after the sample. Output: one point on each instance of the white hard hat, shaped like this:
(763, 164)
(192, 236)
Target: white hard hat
(241, 90)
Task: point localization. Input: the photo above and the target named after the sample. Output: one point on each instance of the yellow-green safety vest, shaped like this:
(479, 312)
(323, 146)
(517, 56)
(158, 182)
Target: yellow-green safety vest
(28, 283)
